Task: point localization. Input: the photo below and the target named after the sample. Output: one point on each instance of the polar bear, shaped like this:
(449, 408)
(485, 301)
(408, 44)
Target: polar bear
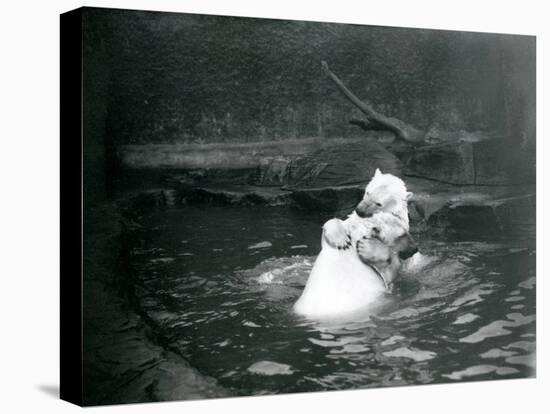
(384, 192)
(349, 278)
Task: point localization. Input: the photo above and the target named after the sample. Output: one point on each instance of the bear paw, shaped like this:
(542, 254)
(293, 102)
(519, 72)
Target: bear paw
(372, 251)
(362, 248)
(335, 234)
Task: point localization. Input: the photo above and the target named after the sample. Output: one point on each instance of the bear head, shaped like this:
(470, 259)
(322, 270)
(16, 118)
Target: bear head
(385, 193)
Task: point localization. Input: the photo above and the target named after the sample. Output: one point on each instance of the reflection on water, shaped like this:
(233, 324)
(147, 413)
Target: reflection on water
(219, 283)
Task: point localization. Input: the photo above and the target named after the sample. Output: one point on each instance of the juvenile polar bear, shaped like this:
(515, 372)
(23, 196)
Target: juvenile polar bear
(345, 280)
(384, 192)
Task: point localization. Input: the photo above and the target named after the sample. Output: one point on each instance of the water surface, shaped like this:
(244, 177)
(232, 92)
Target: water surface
(218, 285)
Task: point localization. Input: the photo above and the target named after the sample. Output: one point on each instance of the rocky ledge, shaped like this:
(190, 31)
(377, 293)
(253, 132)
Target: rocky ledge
(467, 187)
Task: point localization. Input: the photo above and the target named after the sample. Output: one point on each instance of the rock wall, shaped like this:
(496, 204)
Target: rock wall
(195, 78)
(488, 162)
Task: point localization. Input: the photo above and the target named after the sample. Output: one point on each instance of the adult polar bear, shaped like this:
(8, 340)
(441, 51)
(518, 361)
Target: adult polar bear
(348, 279)
(360, 256)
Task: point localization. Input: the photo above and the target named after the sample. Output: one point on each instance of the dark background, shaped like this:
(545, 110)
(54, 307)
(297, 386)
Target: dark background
(177, 78)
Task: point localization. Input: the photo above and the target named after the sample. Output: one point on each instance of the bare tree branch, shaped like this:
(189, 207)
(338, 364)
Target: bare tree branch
(401, 130)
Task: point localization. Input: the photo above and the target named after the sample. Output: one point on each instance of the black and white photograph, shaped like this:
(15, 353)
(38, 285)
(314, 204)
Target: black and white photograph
(277, 206)
(281, 206)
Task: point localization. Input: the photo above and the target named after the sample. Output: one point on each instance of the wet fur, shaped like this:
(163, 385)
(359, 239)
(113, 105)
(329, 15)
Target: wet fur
(341, 281)
(384, 193)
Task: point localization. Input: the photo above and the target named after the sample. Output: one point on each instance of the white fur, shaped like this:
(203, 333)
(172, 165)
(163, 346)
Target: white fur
(392, 192)
(385, 189)
(340, 282)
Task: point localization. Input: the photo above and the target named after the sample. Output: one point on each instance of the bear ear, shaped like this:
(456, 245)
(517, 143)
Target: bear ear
(377, 172)
(408, 196)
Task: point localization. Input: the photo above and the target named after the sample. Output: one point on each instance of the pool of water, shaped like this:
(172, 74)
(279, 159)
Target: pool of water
(218, 285)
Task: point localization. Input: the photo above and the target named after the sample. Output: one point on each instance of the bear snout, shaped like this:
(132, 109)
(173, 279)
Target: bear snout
(405, 254)
(363, 213)
(363, 210)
